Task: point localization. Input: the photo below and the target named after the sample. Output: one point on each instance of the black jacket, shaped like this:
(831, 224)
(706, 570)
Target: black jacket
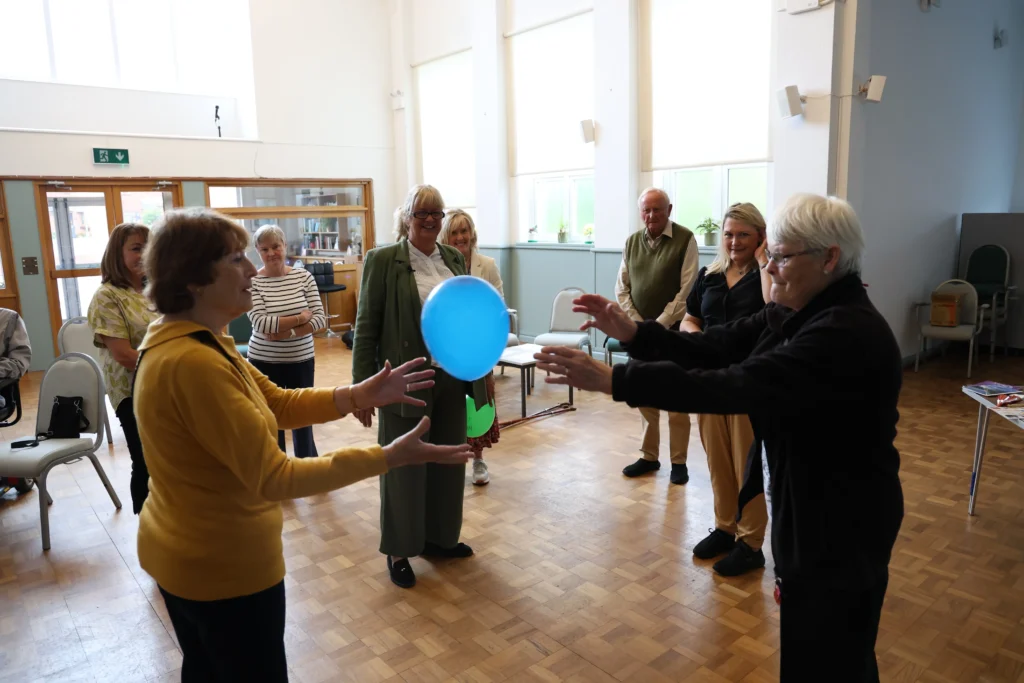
(820, 386)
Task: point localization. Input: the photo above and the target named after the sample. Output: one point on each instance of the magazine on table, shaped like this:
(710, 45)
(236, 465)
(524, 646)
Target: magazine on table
(991, 388)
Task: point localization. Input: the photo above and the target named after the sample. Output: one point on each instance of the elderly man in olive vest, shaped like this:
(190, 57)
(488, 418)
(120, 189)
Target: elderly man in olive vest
(659, 267)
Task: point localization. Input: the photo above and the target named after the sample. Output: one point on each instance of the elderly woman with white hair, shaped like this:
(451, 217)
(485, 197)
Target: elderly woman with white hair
(286, 311)
(819, 373)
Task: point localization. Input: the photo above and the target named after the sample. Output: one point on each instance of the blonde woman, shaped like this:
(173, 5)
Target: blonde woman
(728, 289)
(459, 231)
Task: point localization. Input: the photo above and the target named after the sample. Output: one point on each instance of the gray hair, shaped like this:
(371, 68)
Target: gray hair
(819, 222)
(451, 220)
(268, 231)
(419, 195)
(653, 190)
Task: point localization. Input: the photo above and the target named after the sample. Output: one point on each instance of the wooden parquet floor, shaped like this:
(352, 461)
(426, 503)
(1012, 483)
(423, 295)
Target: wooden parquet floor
(580, 575)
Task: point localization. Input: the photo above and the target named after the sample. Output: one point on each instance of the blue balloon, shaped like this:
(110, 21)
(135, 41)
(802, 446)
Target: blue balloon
(465, 326)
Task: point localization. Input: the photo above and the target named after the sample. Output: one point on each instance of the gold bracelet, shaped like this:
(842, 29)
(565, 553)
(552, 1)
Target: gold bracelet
(352, 397)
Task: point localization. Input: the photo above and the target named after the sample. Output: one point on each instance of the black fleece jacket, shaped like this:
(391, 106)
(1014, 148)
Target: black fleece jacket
(821, 387)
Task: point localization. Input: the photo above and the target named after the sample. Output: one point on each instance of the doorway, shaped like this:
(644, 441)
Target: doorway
(76, 220)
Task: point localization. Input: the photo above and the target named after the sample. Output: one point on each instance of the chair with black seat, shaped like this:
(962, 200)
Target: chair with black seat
(988, 269)
(323, 273)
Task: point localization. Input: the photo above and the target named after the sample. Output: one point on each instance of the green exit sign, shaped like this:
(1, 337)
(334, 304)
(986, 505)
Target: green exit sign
(103, 155)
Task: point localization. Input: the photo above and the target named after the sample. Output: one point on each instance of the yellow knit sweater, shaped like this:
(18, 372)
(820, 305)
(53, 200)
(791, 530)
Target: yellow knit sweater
(211, 527)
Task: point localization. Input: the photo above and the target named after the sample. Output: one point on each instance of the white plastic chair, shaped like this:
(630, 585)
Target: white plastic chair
(75, 336)
(72, 374)
(565, 324)
(513, 335)
(971, 321)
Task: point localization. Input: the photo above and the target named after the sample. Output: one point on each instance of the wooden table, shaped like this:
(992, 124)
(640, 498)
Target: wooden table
(522, 357)
(986, 406)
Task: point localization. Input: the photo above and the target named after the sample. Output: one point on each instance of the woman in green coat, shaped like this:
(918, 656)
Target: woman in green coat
(420, 506)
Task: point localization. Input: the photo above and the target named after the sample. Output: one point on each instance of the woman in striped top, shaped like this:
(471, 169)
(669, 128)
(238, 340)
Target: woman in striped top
(286, 311)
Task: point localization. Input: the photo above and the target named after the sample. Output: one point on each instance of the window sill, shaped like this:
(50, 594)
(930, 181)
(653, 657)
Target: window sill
(569, 246)
(707, 250)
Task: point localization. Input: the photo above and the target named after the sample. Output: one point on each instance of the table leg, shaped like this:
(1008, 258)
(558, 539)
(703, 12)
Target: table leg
(530, 375)
(979, 455)
(523, 383)
(570, 394)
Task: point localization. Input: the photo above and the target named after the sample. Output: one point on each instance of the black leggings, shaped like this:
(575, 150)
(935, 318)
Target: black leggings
(237, 639)
(292, 376)
(140, 475)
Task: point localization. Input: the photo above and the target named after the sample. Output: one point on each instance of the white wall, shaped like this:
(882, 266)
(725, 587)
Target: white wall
(57, 107)
(322, 70)
(943, 142)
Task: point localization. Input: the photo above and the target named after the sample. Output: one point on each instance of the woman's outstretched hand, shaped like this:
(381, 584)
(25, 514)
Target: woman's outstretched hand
(393, 386)
(575, 368)
(607, 316)
(409, 449)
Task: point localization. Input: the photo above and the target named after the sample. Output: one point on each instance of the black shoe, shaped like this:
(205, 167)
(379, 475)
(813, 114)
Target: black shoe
(434, 550)
(641, 466)
(401, 573)
(679, 474)
(741, 560)
(717, 543)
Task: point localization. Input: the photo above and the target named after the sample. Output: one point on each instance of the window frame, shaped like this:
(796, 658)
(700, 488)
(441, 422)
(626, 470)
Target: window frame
(570, 203)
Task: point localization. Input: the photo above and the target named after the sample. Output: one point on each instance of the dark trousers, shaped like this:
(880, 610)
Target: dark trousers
(140, 475)
(828, 633)
(238, 639)
(421, 503)
(292, 376)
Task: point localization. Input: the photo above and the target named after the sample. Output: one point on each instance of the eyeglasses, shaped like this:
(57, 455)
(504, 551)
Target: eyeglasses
(782, 260)
(423, 215)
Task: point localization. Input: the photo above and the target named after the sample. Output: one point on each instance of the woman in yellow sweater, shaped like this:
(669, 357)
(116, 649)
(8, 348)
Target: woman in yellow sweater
(210, 532)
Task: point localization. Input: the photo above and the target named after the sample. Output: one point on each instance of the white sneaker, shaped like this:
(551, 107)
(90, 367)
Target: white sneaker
(480, 473)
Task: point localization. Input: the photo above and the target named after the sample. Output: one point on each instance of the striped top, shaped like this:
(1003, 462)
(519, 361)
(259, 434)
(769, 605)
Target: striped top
(277, 297)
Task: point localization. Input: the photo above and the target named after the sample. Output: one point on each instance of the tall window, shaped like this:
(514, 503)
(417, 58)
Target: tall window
(444, 94)
(709, 82)
(198, 47)
(552, 77)
(700, 193)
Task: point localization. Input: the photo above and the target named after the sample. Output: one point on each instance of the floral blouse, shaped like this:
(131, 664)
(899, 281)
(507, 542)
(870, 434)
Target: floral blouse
(122, 314)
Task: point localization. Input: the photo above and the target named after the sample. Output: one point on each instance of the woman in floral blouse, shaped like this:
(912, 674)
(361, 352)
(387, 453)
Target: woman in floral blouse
(119, 315)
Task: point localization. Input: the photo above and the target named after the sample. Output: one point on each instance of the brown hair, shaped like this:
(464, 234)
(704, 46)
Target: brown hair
(112, 267)
(741, 212)
(451, 220)
(183, 250)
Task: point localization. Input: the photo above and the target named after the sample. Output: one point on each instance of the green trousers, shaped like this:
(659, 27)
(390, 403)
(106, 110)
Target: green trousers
(421, 503)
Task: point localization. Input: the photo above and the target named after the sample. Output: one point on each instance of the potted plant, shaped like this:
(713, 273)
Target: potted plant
(532, 234)
(588, 233)
(708, 228)
(563, 232)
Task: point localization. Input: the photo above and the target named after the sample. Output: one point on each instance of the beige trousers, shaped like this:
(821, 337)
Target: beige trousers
(727, 440)
(678, 435)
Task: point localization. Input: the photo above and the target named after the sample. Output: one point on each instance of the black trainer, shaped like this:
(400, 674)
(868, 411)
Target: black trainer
(641, 467)
(401, 573)
(741, 560)
(679, 475)
(717, 543)
(434, 550)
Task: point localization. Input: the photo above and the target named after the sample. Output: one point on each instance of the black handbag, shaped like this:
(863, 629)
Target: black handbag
(67, 419)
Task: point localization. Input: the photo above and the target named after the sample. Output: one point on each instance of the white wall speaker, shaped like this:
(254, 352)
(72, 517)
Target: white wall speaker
(790, 102)
(873, 88)
(587, 130)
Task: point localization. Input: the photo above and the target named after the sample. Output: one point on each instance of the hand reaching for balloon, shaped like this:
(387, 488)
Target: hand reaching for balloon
(607, 316)
(409, 449)
(393, 386)
(575, 368)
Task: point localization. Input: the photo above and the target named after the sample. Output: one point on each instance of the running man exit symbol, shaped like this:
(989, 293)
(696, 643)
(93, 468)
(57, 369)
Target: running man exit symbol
(103, 155)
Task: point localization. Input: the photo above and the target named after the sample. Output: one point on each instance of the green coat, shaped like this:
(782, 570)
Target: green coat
(388, 321)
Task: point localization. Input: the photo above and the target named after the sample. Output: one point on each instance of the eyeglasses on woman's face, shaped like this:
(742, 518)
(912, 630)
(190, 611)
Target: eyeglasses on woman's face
(424, 215)
(782, 260)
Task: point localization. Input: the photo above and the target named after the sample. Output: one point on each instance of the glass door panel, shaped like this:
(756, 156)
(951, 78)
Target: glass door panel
(79, 228)
(145, 206)
(75, 295)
